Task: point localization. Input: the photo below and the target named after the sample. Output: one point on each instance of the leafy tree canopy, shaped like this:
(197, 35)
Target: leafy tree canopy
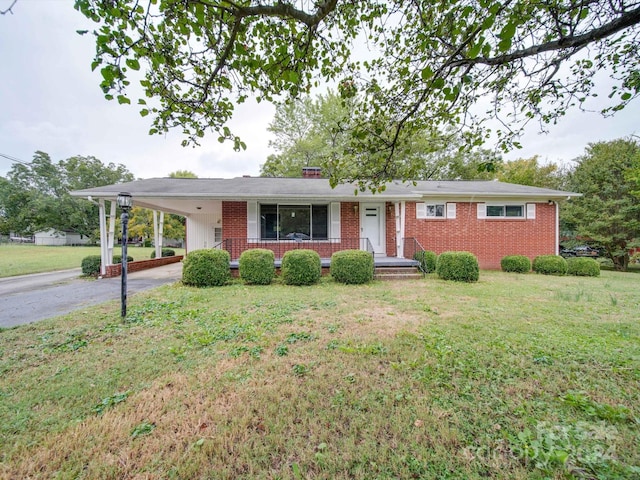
(529, 171)
(608, 213)
(35, 196)
(182, 174)
(316, 132)
(406, 66)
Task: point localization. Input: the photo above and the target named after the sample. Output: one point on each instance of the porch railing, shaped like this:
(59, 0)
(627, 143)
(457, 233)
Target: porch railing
(325, 247)
(411, 247)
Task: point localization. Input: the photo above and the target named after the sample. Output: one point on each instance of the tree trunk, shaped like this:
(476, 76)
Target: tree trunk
(621, 262)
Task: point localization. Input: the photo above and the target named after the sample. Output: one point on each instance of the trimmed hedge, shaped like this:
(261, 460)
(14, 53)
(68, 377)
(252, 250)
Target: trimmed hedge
(301, 267)
(550, 265)
(583, 267)
(352, 266)
(166, 252)
(427, 260)
(458, 266)
(257, 266)
(91, 265)
(206, 268)
(515, 263)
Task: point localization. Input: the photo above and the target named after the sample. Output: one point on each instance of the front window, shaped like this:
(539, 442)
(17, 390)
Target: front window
(294, 222)
(510, 211)
(435, 210)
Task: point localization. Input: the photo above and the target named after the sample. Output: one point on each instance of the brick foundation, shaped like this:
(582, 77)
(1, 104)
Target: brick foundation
(116, 270)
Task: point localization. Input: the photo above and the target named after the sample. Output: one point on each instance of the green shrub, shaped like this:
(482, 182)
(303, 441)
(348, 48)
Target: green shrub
(91, 265)
(516, 263)
(352, 266)
(118, 259)
(166, 252)
(583, 267)
(206, 268)
(427, 260)
(257, 266)
(550, 265)
(301, 267)
(458, 266)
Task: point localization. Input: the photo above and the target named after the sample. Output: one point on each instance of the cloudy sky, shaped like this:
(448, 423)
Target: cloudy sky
(50, 101)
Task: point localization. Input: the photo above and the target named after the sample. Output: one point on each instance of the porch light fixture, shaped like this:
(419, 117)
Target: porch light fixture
(125, 202)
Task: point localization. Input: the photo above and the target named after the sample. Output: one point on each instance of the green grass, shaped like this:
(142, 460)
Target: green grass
(25, 259)
(514, 377)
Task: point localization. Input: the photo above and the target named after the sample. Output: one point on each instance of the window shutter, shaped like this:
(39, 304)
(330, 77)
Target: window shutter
(531, 211)
(252, 220)
(421, 210)
(451, 210)
(335, 220)
(482, 210)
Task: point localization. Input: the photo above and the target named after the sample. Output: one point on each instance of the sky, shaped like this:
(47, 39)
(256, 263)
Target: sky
(50, 101)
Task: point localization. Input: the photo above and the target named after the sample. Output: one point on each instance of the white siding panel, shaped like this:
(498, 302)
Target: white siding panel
(201, 231)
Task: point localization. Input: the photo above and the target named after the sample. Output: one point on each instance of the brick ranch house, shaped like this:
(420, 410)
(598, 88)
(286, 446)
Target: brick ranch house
(487, 218)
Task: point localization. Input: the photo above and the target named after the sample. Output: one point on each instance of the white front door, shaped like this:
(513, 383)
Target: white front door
(372, 226)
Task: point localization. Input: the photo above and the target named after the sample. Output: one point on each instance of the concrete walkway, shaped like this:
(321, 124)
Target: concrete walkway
(30, 298)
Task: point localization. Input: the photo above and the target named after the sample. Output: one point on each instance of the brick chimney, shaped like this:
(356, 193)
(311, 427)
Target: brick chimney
(311, 172)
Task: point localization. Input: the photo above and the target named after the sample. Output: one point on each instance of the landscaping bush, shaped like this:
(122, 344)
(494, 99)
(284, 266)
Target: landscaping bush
(166, 252)
(427, 260)
(257, 267)
(301, 267)
(91, 265)
(550, 265)
(458, 266)
(352, 266)
(206, 268)
(118, 259)
(515, 263)
(583, 267)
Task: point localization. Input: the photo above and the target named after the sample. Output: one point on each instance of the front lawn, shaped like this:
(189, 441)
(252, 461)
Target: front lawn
(22, 259)
(513, 377)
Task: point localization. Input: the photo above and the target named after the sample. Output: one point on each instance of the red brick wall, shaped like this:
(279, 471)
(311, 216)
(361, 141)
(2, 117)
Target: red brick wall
(390, 227)
(488, 239)
(234, 224)
(115, 270)
(350, 220)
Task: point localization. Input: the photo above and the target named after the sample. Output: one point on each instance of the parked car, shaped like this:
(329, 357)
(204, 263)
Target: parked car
(580, 251)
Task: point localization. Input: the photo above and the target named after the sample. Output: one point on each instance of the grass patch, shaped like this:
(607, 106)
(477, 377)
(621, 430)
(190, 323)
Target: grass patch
(24, 259)
(416, 379)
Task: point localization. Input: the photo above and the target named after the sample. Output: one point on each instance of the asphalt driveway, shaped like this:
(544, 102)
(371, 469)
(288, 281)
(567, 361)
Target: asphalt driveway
(30, 298)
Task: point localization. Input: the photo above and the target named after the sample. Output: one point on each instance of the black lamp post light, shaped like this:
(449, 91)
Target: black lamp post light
(124, 202)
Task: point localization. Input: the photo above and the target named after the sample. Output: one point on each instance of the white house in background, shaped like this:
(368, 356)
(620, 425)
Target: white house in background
(53, 237)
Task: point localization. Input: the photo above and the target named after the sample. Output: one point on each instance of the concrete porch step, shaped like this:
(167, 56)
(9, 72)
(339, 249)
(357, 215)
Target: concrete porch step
(397, 273)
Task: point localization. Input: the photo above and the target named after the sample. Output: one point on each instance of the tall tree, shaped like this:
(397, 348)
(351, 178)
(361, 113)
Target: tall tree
(183, 174)
(528, 171)
(608, 213)
(431, 65)
(35, 196)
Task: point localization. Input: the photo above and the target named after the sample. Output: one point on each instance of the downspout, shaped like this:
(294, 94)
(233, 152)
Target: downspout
(103, 236)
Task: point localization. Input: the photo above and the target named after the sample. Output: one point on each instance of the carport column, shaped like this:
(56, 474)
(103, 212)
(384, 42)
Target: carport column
(158, 232)
(403, 214)
(112, 233)
(396, 206)
(103, 237)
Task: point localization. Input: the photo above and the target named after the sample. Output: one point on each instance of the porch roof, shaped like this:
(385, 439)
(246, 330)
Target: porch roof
(180, 195)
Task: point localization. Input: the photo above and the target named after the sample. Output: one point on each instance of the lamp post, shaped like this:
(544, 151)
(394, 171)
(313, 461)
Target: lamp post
(124, 202)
